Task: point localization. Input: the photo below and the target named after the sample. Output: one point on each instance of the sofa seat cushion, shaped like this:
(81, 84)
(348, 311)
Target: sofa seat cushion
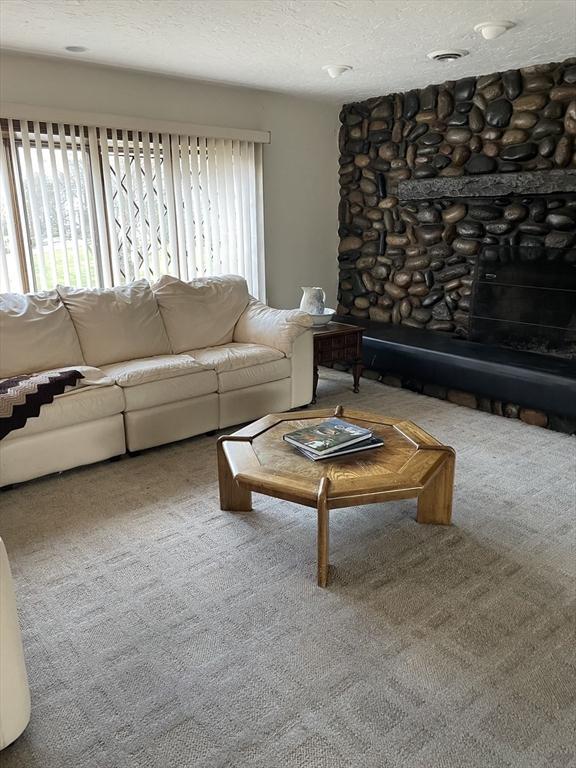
(244, 365)
(36, 333)
(76, 406)
(159, 380)
(115, 324)
(132, 373)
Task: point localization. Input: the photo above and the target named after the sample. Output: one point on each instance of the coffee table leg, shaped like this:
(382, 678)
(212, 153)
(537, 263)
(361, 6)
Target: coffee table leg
(323, 542)
(435, 501)
(233, 498)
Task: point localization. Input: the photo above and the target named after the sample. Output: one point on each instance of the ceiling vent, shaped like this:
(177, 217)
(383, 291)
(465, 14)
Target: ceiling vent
(448, 55)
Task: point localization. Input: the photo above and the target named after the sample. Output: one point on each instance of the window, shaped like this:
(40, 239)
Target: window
(91, 206)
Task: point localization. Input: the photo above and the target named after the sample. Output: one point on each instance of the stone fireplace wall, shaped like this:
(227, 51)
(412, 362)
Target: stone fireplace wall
(411, 262)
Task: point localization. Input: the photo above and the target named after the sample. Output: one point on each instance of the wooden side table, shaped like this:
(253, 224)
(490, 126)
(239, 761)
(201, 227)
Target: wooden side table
(338, 343)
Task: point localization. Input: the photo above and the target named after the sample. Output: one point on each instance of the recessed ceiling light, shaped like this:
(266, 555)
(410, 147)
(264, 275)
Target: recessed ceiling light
(335, 70)
(451, 54)
(490, 30)
(75, 48)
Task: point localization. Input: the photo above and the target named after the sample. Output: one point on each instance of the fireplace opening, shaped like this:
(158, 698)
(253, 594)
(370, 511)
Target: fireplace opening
(524, 298)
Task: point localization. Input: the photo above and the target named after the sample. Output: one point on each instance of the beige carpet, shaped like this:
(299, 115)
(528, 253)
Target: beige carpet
(161, 632)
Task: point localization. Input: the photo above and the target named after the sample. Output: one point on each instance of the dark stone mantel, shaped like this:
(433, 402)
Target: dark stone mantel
(489, 185)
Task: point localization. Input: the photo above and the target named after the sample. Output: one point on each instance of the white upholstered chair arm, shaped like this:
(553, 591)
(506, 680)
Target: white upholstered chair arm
(14, 692)
(277, 328)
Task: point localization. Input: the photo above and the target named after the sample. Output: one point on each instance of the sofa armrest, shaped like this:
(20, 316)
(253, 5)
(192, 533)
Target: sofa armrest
(277, 328)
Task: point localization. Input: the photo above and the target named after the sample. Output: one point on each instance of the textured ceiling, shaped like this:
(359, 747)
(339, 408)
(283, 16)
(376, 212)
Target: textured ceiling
(281, 45)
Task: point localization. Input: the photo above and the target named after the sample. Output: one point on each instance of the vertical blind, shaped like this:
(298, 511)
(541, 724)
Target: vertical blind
(95, 206)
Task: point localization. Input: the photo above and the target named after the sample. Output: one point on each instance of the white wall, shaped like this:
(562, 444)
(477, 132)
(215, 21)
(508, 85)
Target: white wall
(300, 165)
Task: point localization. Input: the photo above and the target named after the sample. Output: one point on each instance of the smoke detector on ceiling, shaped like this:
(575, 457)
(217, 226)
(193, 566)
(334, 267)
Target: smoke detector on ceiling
(76, 48)
(490, 30)
(451, 54)
(335, 70)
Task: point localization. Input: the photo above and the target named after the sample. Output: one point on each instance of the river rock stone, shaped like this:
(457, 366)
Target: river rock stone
(381, 271)
(352, 118)
(499, 227)
(519, 152)
(480, 164)
(429, 215)
(411, 105)
(537, 83)
(470, 228)
(532, 102)
(362, 161)
(380, 314)
(451, 272)
(457, 136)
(417, 262)
(570, 118)
(441, 161)
(454, 213)
(441, 311)
(490, 149)
(402, 278)
(458, 119)
(523, 120)
(498, 113)
(546, 128)
(428, 98)
(563, 152)
(559, 239)
(475, 119)
(547, 146)
(432, 298)
(563, 93)
(553, 110)
(515, 212)
(492, 91)
(428, 234)
(445, 104)
(479, 101)
(417, 131)
(464, 89)
(395, 291)
(351, 243)
(431, 139)
(460, 154)
(405, 308)
(512, 82)
(484, 212)
(466, 247)
(562, 219)
(388, 151)
(514, 136)
(368, 187)
(570, 75)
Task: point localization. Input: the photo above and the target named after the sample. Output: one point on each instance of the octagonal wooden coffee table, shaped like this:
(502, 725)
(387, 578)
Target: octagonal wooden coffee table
(411, 464)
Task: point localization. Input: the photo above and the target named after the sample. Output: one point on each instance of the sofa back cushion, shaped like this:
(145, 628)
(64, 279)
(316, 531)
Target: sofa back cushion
(36, 334)
(116, 324)
(203, 312)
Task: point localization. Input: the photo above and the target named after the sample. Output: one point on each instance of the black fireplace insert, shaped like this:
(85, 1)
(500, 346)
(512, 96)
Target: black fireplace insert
(524, 298)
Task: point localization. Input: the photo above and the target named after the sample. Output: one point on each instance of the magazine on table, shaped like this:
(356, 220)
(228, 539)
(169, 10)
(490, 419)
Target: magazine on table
(328, 436)
(371, 442)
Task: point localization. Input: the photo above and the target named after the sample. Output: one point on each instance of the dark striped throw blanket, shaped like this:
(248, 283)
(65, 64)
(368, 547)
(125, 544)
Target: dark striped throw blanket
(21, 397)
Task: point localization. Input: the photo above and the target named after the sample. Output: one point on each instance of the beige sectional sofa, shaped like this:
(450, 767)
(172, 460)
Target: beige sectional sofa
(160, 363)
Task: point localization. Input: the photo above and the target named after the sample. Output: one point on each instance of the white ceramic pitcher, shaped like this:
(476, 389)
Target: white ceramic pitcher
(313, 300)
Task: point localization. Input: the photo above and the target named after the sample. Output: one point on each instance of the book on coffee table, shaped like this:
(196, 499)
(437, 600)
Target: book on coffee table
(365, 445)
(331, 435)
